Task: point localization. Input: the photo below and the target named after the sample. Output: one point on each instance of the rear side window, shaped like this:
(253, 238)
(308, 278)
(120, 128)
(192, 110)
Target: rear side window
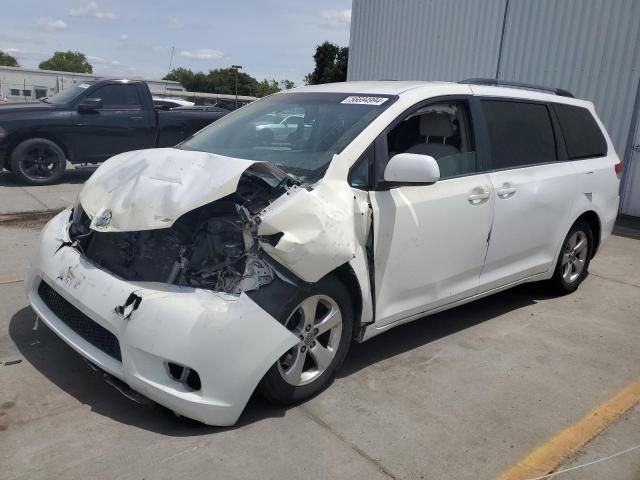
(582, 135)
(520, 134)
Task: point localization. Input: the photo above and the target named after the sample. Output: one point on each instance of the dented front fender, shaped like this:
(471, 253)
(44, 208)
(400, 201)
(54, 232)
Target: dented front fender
(317, 227)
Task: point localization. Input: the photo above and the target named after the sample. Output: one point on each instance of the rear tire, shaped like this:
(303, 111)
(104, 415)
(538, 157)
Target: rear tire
(38, 161)
(573, 262)
(322, 317)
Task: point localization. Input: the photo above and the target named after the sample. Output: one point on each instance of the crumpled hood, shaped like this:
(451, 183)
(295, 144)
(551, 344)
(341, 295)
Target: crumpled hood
(151, 189)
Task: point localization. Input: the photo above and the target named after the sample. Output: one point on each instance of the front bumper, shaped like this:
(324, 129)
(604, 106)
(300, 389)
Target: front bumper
(230, 341)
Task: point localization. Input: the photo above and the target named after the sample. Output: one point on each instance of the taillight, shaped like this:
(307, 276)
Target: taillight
(619, 167)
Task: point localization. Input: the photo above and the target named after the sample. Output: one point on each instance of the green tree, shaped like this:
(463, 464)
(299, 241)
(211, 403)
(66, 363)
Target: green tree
(331, 64)
(7, 60)
(287, 85)
(223, 80)
(67, 62)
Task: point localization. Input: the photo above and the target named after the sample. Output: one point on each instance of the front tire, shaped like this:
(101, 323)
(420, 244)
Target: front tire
(575, 256)
(38, 161)
(322, 319)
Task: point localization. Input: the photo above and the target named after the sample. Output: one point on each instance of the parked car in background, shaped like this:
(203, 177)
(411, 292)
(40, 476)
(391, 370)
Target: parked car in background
(165, 103)
(272, 129)
(194, 275)
(88, 123)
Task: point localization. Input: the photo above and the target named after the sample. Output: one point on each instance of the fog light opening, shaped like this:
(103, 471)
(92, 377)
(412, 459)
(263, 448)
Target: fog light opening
(184, 375)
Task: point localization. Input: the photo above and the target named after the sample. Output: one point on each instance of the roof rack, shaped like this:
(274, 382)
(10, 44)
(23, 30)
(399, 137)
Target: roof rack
(506, 83)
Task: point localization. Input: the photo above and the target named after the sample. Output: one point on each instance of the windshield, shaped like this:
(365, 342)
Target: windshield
(68, 94)
(298, 132)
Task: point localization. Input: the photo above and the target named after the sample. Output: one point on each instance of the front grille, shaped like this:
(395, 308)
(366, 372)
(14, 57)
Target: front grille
(77, 321)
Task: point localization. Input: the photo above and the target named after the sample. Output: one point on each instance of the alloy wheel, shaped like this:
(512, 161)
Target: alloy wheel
(574, 256)
(40, 162)
(317, 322)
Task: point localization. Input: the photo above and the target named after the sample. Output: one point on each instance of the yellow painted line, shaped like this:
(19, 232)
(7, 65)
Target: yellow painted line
(6, 282)
(547, 457)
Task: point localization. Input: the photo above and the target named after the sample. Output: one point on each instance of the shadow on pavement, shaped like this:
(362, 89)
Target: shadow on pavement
(72, 176)
(406, 337)
(67, 370)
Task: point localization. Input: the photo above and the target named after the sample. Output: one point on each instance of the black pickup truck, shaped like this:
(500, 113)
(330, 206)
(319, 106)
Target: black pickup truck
(89, 123)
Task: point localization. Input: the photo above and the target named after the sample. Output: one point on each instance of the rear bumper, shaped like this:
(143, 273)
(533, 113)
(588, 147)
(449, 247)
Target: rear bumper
(230, 341)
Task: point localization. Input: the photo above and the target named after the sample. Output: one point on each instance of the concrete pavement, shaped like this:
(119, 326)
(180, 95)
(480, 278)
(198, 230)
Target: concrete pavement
(460, 395)
(18, 198)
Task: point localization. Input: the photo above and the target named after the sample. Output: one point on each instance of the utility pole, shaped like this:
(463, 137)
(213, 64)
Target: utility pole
(236, 68)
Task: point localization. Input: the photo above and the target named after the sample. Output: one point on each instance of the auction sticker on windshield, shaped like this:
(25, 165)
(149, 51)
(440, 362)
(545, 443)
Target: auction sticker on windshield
(365, 100)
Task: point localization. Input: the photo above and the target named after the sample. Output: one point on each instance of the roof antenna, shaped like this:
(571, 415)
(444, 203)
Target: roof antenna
(170, 64)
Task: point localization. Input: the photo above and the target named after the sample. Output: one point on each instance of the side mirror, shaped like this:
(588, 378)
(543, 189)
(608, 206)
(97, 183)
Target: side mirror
(90, 105)
(412, 168)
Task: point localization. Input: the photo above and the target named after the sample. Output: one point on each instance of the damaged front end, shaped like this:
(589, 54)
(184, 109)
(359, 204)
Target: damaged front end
(215, 246)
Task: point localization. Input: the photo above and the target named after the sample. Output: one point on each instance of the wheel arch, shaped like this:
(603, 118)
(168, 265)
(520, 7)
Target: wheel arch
(18, 138)
(347, 276)
(593, 220)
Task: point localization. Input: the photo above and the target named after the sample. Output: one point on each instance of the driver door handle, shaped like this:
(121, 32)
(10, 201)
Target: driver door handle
(479, 195)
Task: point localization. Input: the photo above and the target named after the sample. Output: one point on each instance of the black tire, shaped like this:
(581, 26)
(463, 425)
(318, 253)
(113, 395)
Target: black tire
(566, 278)
(273, 385)
(38, 161)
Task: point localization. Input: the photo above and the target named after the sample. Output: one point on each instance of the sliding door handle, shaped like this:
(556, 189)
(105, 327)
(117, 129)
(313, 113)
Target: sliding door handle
(507, 191)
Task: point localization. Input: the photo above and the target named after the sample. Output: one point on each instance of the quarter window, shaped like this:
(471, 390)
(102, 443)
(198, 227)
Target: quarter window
(359, 175)
(520, 134)
(582, 135)
(440, 130)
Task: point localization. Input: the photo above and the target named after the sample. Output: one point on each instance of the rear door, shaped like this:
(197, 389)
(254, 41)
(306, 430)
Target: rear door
(121, 125)
(430, 241)
(534, 188)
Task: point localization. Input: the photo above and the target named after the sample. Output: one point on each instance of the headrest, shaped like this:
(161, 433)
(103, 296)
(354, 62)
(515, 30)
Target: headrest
(435, 124)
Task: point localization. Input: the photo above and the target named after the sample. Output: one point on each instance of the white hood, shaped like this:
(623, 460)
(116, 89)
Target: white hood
(151, 189)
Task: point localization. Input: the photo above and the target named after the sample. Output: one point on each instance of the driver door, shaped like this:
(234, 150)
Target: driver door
(121, 125)
(430, 241)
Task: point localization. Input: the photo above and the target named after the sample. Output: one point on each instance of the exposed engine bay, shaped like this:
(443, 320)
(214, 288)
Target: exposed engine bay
(213, 247)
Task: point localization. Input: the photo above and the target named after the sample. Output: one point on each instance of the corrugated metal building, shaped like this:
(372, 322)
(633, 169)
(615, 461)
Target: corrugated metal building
(19, 84)
(589, 47)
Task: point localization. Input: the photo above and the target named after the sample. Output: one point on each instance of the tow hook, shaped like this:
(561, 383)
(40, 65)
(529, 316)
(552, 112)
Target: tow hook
(132, 303)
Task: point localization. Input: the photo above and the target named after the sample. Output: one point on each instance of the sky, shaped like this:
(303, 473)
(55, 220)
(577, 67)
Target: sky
(134, 38)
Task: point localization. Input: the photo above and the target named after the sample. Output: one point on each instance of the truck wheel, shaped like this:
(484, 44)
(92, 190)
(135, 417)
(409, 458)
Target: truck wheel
(38, 161)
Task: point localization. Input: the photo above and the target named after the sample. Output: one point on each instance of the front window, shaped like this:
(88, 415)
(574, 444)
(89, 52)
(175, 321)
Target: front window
(68, 95)
(298, 132)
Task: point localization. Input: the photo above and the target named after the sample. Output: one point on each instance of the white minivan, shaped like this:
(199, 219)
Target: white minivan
(239, 261)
